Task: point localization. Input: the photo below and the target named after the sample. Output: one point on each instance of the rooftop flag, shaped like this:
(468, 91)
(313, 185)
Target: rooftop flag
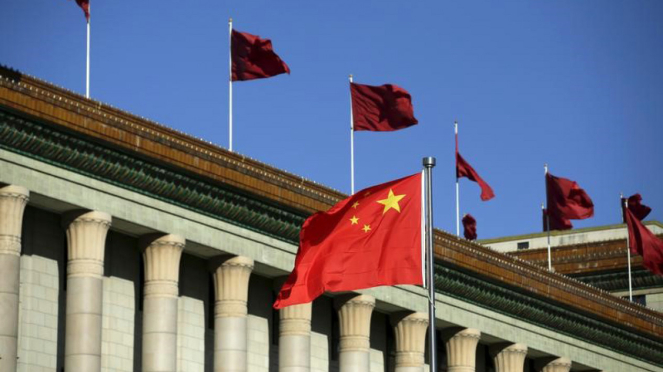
(639, 210)
(254, 58)
(566, 200)
(645, 243)
(85, 5)
(381, 108)
(370, 239)
(469, 227)
(464, 169)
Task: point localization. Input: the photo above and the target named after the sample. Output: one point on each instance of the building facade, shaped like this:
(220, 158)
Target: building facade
(129, 246)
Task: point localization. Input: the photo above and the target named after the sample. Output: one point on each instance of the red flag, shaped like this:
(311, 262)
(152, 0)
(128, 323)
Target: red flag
(85, 5)
(464, 169)
(639, 210)
(556, 223)
(645, 243)
(254, 58)
(370, 239)
(469, 227)
(566, 200)
(381, 108)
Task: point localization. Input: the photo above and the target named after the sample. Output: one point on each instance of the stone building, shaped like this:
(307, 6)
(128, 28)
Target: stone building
(129, 246)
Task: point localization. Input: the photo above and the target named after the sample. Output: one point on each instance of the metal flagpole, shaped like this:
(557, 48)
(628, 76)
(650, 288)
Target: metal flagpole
(230, 85)
(457, 187)
(628, 248)
(429, 163)
(545, 166)
(352, 145)
(87, 64)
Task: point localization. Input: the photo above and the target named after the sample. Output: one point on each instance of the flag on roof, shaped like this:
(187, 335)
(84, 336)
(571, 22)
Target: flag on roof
(254, 58)
(645, 243)
(566, 201)
(469, 227)
(381, 108)
(85, 5)
(639, 210)
(464, 169)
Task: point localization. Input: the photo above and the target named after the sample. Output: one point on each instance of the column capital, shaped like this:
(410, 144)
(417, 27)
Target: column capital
(561, 364)
(86, 241)
(410, 333)
(509, 357)
(231, 284)
(295, 320)
(354, 313)
(461, 348)
(161, 255)
(13, 200)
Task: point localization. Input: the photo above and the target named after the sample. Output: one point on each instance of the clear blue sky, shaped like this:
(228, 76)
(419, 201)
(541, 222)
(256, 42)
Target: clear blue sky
(576, 84)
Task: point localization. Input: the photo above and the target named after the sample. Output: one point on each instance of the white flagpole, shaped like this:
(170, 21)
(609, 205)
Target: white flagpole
(628, 249)
(545, 167)
(87, 59)
(429, 163)
(230, 85)
(352, 145)
(457, 187)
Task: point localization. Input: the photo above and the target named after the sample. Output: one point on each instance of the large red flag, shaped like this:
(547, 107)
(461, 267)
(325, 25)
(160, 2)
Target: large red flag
(85, 5)
(370, 239)
(464, 169)
(381, 108)
(639, 210)
(254, 58)
(469, 227)
(645, 243)
(566, 200)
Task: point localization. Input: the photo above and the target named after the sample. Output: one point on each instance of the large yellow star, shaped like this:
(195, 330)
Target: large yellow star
(354, 220)
(391, 202)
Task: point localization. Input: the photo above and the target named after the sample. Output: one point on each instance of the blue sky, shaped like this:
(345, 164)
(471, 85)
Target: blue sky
(576, 84)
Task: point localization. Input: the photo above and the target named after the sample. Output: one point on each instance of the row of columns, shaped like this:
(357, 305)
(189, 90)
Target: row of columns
(86, 236)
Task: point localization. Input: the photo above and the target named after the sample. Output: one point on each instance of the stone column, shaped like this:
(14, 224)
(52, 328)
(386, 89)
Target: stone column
(562, 364)
(12, 204)
(410, 333)
(509, 357)
(354, 315)
(231, 287)
(462, 350)
(161, 255)
(86, 241)
(295, 338)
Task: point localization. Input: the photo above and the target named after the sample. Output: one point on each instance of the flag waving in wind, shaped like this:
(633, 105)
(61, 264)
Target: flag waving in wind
(464, 169)
(370, 239)
(254, 58)
(85, 5)
(645, 243)
(381, 108)
(566, 201)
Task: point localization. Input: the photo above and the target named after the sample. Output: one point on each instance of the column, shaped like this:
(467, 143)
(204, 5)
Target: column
(161, 255)
(231, 287)
(295, 338)
(354, 315)
(86, 241)
(12, 204)
(509, 357)
(410, 333)
(462, 350)
(562, 364)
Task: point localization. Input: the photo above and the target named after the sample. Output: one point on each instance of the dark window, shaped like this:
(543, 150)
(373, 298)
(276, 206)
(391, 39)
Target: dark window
(335, 335)
(523, 245)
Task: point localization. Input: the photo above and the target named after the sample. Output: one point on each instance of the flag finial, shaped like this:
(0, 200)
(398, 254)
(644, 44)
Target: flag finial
(230, 20)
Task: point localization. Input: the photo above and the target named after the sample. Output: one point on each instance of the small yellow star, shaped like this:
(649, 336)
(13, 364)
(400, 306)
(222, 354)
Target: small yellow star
(354, 220)
(367, 228)
(355, 205)
(391, 202)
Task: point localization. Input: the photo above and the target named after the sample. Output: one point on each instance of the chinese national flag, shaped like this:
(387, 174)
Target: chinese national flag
(381, 108)
(370, 239)
(566, 200)
(85, 5)
(645, 243)
(464, 169)
(254, 58)
(639, 210)
(469, 227)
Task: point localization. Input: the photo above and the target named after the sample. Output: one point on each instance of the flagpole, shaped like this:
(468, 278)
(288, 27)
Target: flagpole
(429, 163)
(457, 187)
(545, 167)
(628, 248)
(87, 60)
(230, 85)
(352, 145)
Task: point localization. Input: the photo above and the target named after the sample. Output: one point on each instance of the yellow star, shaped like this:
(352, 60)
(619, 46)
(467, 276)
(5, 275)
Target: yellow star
(355, 205)
(367, 228)
(391, 202)
(354, 220)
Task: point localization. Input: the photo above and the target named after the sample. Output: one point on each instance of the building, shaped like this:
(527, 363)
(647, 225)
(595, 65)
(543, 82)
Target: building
(129, 246)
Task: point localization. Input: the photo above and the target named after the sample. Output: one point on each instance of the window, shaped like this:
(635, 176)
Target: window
(523, 245)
